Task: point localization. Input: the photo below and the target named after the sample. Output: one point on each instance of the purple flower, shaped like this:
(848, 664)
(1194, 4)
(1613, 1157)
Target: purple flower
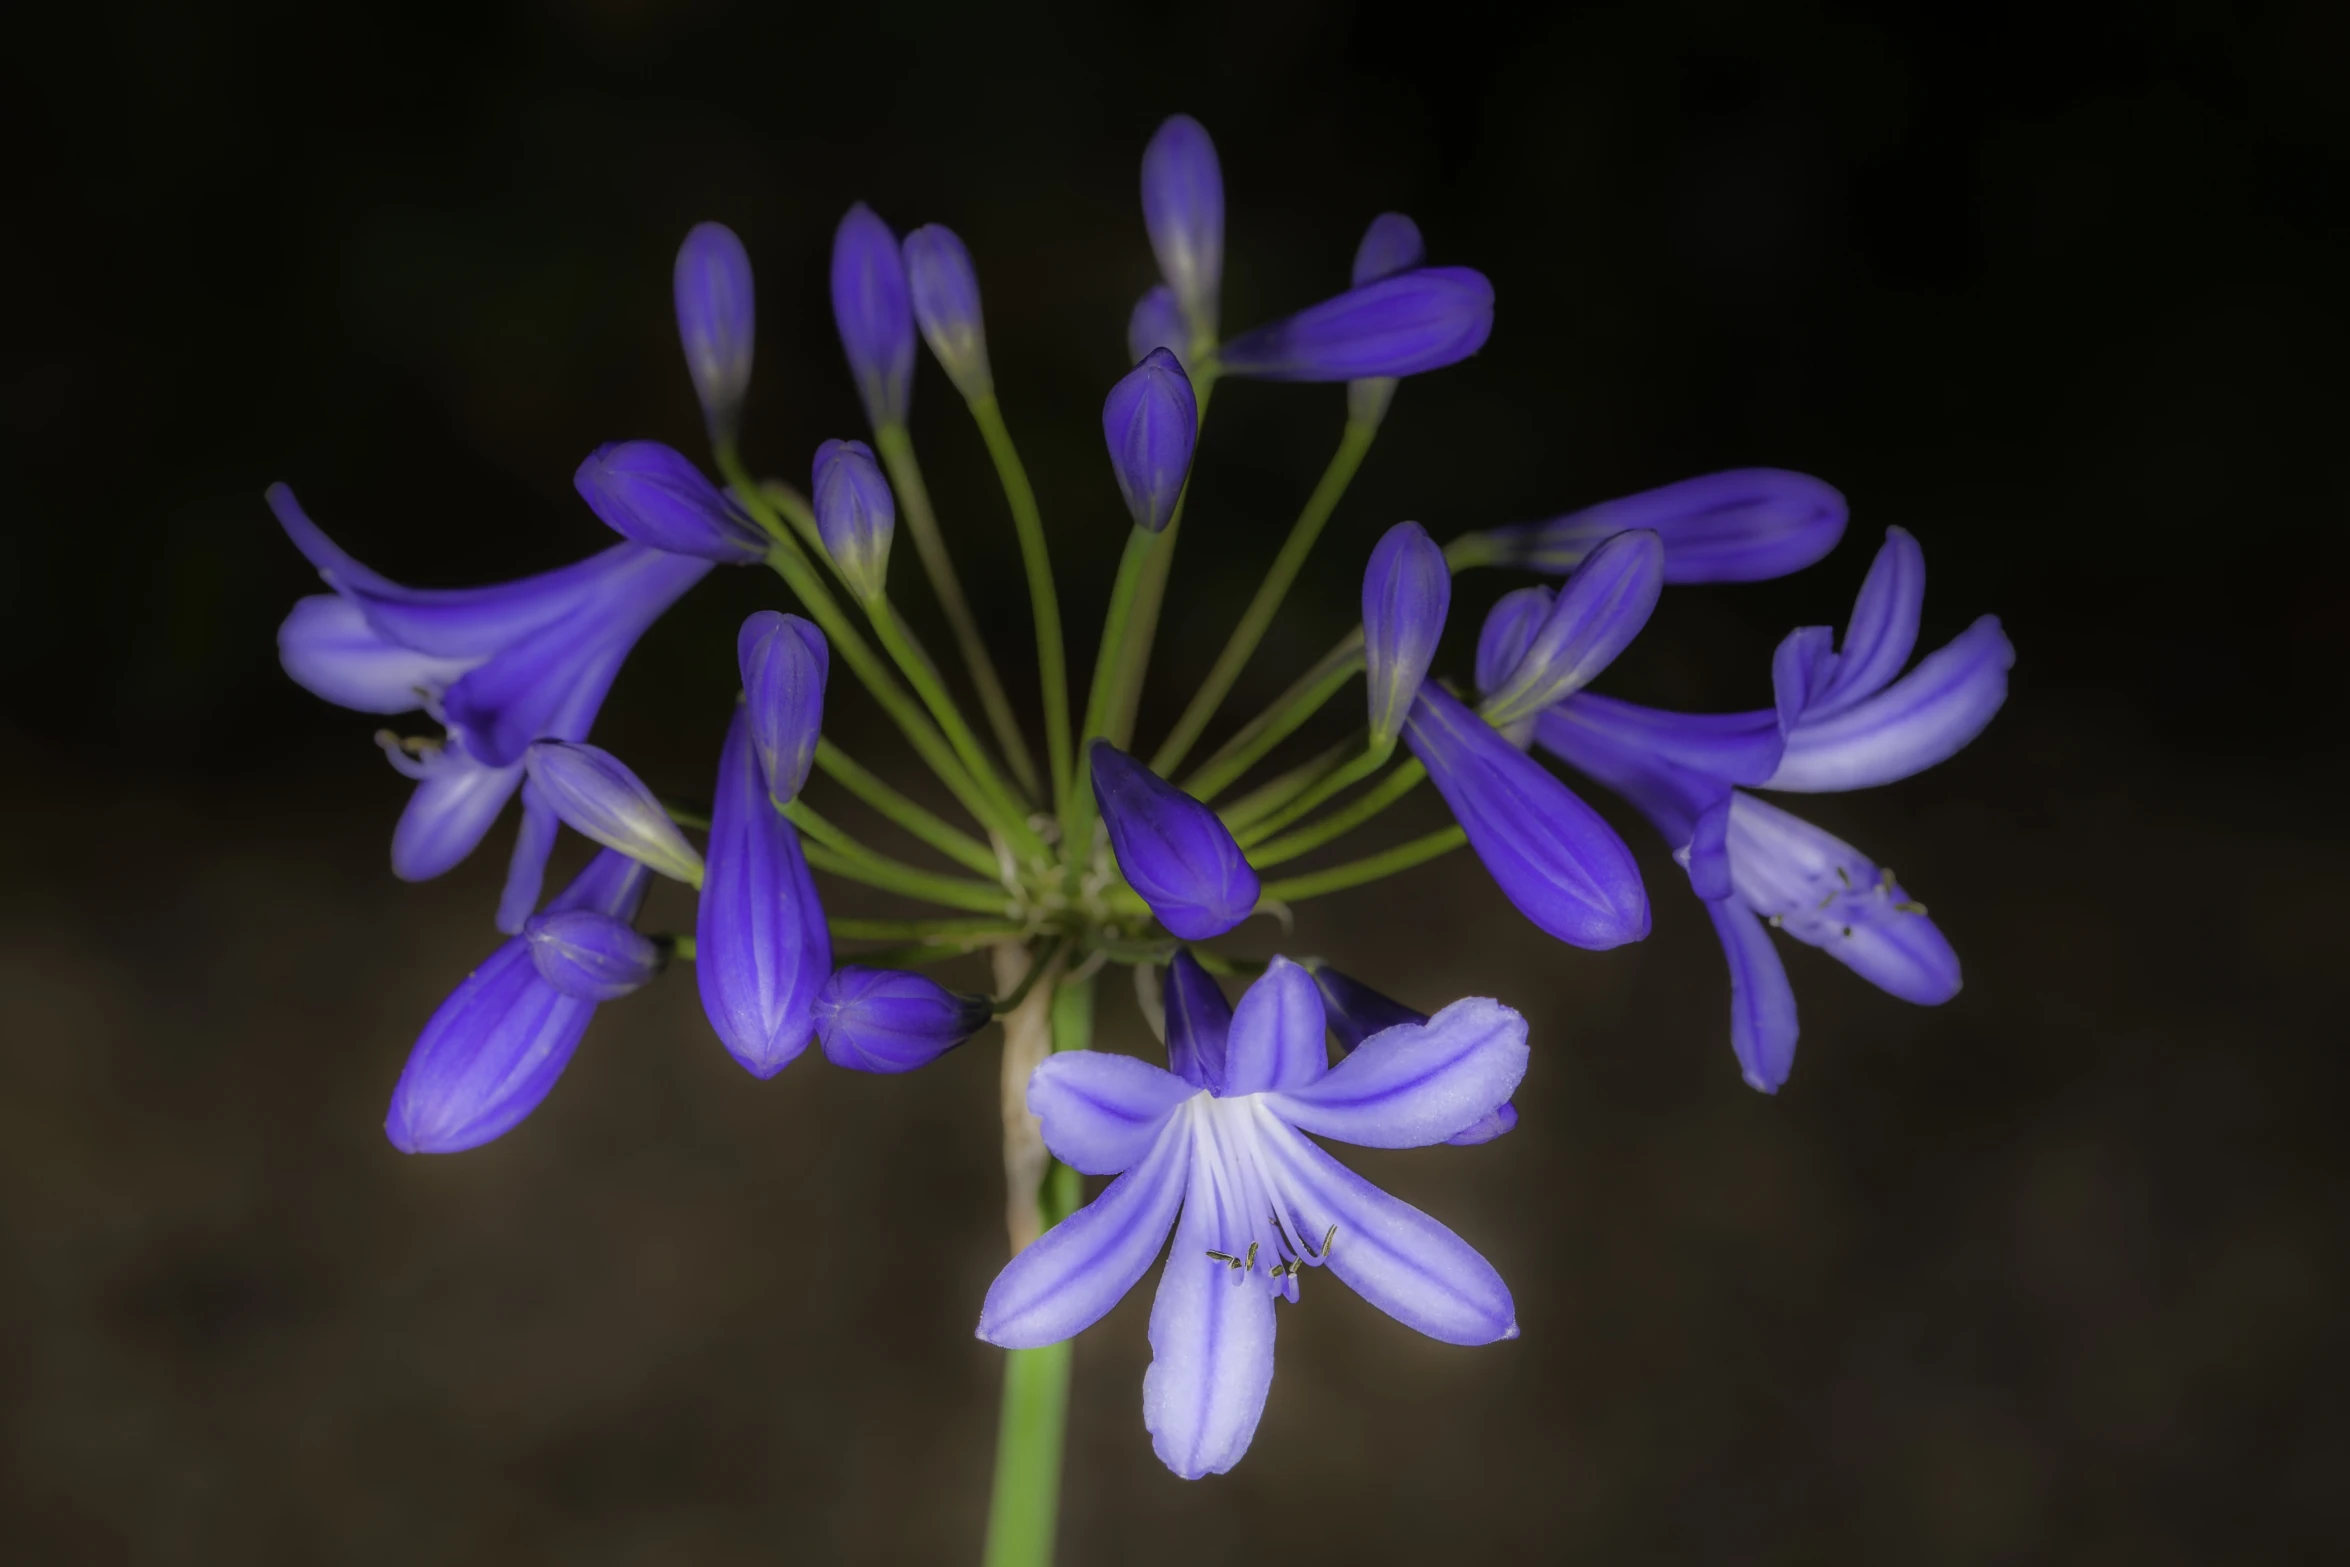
(1595, 617)
(590, 954)
(1403, 325)
(1220, 1159)
(1151, 421)
(499, 666)
(784, 661)
(890, 1020)
(592, 792)
(1183, 207)
(1356, 1012)
(653, 494)
(492, 1051)
(1157, 322)
(1173, 850)
(761, 948)
(945, 292)
(1406, 589)
(871, 308)
(1746, 525)
(1392, 244)
(715, 322)
(855, 515)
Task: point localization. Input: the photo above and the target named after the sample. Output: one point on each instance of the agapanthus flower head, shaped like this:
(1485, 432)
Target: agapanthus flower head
(591, 955)
(945, 292)
(1408, 324)
(716, 321)
(892, 1020)
(855, 514)
(493, 1050)
(1356, 1012)
(1254, 1203)
(1406, 590)
(1157, 322)
(784, 662)
(1745, 525)
(1173, 850)
(654, 494)
(1151, 422)
(875, 315)
(1594, 618)
(1392, 244)
(761, 947)
(592, 792)
(1183, 207)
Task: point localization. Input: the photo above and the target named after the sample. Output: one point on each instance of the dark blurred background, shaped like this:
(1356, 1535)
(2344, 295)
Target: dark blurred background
(2052, 1273)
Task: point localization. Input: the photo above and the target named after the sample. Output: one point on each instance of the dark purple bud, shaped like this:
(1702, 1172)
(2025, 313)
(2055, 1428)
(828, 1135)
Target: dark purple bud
(1183, 207)
(945, 291)
(855, 514)
(1406, 590)
(1151, 420)
(1390, 245)
(876, 320)
(590, 955)
(1173, 850)
(715, 321)
(889, 1020)
(1553, 857)
(1199, 1020)
(1746, 525)
(784, 662)
(1404, 325)
(493, 1050)
(653, 494)
(1157, 322)
(598, 797)
(761, 947)
(1509, 630)
(1596, 616)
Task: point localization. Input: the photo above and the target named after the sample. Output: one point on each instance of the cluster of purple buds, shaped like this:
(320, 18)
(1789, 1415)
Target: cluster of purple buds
(1109, 852)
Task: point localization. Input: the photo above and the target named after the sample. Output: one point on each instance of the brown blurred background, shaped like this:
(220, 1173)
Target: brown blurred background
(2049, 1274)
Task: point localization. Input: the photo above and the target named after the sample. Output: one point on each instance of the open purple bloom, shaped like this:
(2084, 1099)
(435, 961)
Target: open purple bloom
(715, 321)
(1356, 1013)
(1390, 245)
(1183, 207)
(784, 661)
(655, 495)
(590, 954)
(1253, 1203)
(945, 293)
(761, 947)
(855, 515)
(592, 792)
(1745, 525)
(1403, 325)
(1174, 851)
(500, 666)
(493, 1050)
(871, 307)
(1594, 618)
(1157, 322)
(1406, 590)
(1150, 421)
(892, 1020)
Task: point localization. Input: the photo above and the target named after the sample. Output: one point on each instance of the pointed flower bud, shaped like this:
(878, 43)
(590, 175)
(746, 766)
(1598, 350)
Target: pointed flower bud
(855, 514)
(876, 321)
(1173, 850)
(890, 1020)
(1199, 1021)
(598, 797)
(1183, 207)
(715, 320)
(945, 291)
(655, 495)
(1404, 325)
(784, 661)
(1746, 525)
(1598, 613)
(1509, 630)
(1151, 421)
(1406, 590)
(1392, 244)
(1157, 322)
(761, 947)
(590, 955)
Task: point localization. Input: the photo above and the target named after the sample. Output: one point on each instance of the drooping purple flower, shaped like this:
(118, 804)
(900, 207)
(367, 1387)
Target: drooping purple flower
(1253, 1203)
(1595, 617)
(892, 1020)
(761, 947)
(784, 661)
(655, 495)
(1406, 589)
(945, 292)
(1392, 244)
(590, 954)
(1151, 422)
(592, 792)
(493, 1050)
(855, 514)
(716, 321)
(1356, 1012)
(1173, 850)
(1183, 207)
(499, 666)
(875, 316)
(1157, 322)
(1408, 324)
(1745, 525)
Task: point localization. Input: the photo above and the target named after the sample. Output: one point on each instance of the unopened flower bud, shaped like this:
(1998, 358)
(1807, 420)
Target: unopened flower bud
(1173, 850)
(855, 514)
(1157, 322)
(892, 1020)
(1390, 245)
(1508, 631)
(1199, 1021)
(784, 661)
(870, 307)
(598, 797)
(715, 322)
(589, 955)
(1746, 525)
(1413, 322)
(1183, 207)
(1406, 590)
(654, 494)
(945, 292)
(1151, 422)
(1596, 616)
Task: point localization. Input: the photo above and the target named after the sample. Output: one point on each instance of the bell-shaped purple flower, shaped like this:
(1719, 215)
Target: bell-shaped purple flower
(493, 1050)
(855, 515)
(592, 792)
(1356, 1012)
(761, 947)
(1406, 590)
(1392, 244)
(1199, 1020)
(715, 322)
(1183, 207)
(655, 495)
(1595, 617)
(1157, 322)
(1173, 850)
(784, 662)
(589, 954)
(1151, 422)
(945, 292)
(1745, 525)
(1403, 325)
(892, 1020)
(876, 319)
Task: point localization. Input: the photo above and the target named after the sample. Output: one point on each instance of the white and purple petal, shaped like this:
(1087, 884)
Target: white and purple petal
(331, 651)
(1762, 1004)
(1276, 1038)
(1211, 1340)
(1884, 625)
(1068, 1277)
(1827, 894)
(1102, 1113)
(1415, 1084)
(1925, 717)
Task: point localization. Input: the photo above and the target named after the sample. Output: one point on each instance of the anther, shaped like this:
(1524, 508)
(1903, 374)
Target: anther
(1840, 876)
(1911, 906)
(1228, 1261)
(1885, 880)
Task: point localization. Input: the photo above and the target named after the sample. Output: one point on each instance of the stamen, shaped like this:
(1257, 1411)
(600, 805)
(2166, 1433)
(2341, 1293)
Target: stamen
(1327, 1238)
(1251, 1263)
(1776, 921)
(1885, 880)
(1840, 876)
(1830, 898)
(1911, 906)
(1228, 1261)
